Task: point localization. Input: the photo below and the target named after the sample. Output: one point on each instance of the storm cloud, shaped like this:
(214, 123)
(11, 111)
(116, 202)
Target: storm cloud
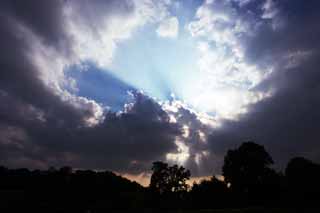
(55, 109)
(287, 122)
(43, 125)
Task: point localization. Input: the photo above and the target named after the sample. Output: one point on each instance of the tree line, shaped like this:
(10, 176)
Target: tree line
(248, 180)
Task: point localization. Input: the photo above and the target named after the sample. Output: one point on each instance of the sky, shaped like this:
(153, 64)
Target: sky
(119, 84)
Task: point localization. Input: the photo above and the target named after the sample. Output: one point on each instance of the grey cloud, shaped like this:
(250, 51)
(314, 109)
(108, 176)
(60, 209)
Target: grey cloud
(43, 18)
(39, 129)
(287, 122)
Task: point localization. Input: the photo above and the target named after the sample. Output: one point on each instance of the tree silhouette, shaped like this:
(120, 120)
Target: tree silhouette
(66, 190)
(167, 179)
(303, 179)
(247, 168)
(252, 183)
(211, 193)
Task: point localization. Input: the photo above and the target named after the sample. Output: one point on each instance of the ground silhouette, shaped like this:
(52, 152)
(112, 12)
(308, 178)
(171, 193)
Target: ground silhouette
(249, 180)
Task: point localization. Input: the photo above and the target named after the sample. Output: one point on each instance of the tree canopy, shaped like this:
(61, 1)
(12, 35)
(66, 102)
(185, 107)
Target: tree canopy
(248, 181)
(246, 167)
(166, 179)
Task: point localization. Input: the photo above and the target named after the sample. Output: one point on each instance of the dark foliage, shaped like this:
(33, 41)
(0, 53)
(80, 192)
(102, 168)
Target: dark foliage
(64, 191)
(209, 194)
(168, 185)
(247, 170)
(248, 181)
(168, 179)
(303, 178)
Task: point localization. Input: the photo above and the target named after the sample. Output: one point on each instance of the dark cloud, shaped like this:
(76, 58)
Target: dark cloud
(44, 18)
(126, 142)
(20, 78)
(132, 139)
(39, 128)
(286, 123)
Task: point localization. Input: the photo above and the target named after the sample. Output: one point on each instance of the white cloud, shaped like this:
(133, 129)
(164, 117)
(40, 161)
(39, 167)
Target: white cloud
(97, 29)
(182, 154)
(243, 2)
(94, 29)
(226, 88)
(269, 10)
(50, 62)
(217, 21)
(96, 33)
(169, 28)
(195, 127)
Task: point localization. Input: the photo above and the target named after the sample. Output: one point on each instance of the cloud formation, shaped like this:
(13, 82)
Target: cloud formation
(43, 124)
(258, 62)
(169, 28)
(285, 122)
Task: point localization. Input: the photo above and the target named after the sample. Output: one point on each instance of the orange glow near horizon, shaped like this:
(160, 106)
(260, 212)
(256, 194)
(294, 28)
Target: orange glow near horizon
(144, 178)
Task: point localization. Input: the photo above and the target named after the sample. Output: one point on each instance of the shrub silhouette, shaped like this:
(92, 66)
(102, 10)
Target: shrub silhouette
(248, 180)
(66, 190)
(211, 193)
(303, 179)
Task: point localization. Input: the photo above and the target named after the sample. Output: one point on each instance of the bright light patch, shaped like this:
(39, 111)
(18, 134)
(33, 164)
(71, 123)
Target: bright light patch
(213, 80)
(182, 153)
(192, 62)
(172, 119)
(169, 28)
(186, 131)
(202, 136)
